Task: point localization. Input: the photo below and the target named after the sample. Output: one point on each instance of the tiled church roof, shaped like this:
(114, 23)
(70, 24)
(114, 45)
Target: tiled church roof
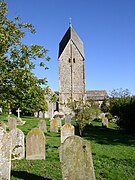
(71, 35)
(97, 95)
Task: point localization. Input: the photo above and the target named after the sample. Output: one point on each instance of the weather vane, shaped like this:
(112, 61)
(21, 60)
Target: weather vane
(70, 21)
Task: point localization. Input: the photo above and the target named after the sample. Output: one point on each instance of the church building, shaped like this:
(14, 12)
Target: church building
(72, 74)
(71, 68)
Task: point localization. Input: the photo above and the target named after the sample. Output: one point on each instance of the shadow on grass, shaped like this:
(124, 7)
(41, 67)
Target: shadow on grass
(109, 136)
(27, 176)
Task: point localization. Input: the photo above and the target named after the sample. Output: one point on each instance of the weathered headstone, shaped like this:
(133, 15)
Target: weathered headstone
(11, 123)
(53, 126)
(59, 121)
(66, 131)
(18, 149)
(42, 125)
(105, 122)
(102, 115)
(41, 114)
(35, 144)
(76, 159)
(68, 119)
(3, 125)
(5, 155)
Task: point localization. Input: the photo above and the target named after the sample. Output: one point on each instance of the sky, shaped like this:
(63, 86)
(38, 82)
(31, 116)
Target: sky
(106, 27)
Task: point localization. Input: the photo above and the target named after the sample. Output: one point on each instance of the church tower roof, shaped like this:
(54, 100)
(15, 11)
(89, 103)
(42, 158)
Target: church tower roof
(71, 35)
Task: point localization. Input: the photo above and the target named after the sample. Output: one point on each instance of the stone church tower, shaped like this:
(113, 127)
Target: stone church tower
(71, 68)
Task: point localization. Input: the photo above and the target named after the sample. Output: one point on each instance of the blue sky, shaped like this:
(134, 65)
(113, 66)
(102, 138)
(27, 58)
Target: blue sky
(106, 27)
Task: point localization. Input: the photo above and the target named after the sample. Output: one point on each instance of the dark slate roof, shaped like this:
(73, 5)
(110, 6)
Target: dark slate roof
(71, 35)
(97, 95)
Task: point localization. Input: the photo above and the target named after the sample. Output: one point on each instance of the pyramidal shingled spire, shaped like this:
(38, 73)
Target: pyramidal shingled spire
(71, 35)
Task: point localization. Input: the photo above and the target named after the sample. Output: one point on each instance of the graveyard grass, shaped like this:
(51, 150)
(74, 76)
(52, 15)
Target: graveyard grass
(113, 152)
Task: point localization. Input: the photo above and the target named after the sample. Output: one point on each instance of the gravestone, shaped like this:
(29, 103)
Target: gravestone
(53, 125)
(42, 125)
(41, 114)
(105, 122)
(68, 119)
(35, 144)
(3, 125)
(66, 131)
(76, 159)
(11, 123)
(59, 121)
(18, 150)
(5, 155)
(102, 115)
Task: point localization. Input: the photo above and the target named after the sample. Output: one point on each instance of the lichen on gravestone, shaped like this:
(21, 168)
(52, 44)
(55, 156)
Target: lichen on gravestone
(76, 159)
(42, 125)
(5, 155)
(12, 123)
(53, 125)
(66, 131)
(35, 144)
(18, 147)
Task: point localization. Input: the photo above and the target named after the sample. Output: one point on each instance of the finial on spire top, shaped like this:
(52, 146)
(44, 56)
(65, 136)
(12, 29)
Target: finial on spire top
(70, 21)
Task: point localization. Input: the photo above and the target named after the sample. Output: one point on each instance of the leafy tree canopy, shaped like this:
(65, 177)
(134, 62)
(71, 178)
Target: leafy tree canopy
(19, 87)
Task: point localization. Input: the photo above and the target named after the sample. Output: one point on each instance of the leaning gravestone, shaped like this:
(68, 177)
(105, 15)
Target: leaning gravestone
(76, 159)
(5, 155)
(35, 144)
(68, 119)
(11, 123)
(53, 126)
(66, 131)
(42, 125)
(18, 150)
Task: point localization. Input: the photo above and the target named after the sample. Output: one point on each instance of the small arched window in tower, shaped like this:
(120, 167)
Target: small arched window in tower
(73, 60)
(69, 60)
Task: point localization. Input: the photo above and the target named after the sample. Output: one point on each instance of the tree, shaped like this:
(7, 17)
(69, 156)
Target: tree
(105, 105)
(123, 105)
(85, 112)
(119, 99)
(18, 85)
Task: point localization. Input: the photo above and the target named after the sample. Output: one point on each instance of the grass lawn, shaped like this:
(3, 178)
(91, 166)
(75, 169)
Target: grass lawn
(113, 152)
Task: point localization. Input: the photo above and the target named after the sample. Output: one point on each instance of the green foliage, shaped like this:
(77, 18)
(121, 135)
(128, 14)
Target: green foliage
(123, 105)
(51, 96)
(86, 115)
(85, 112)
(18, 85)
(105, 105)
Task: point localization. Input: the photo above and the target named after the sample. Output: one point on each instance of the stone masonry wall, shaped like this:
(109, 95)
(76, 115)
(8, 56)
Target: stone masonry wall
(71, 74)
